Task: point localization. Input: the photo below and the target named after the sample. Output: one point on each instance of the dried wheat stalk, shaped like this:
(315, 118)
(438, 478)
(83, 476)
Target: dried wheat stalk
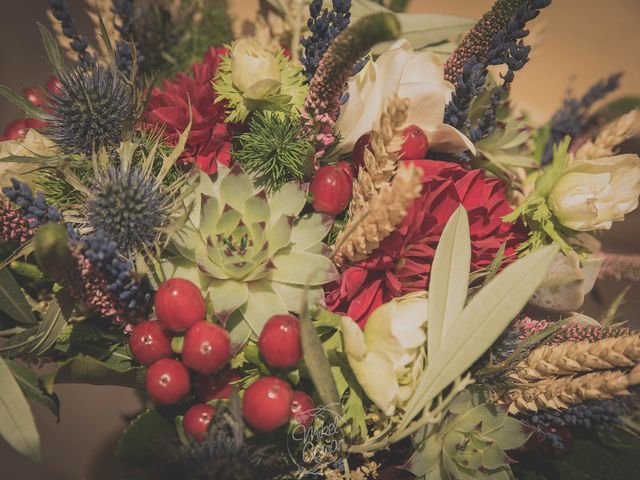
(612, 135)
(385, 210)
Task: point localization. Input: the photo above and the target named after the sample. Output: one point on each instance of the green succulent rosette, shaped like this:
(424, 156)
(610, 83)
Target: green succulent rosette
(250, 251)
(470, 442)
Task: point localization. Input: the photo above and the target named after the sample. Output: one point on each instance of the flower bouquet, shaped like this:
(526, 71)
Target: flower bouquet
(329, 249)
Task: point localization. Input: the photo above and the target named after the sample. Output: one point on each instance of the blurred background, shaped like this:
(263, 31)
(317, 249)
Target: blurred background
(576, 42)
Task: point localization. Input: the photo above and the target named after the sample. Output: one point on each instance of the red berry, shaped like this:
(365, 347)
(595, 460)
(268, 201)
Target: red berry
(53, 85)
(34, 96)
(149, 342)
(179, 304)
(206, 348)
(416, 145)
(215, 387)
(331, 188)
(279, 342)
(302, 409)
(357, 156)
(16, 129)
(266, 404)
(167, 381)
(196, 420)
(34, 123)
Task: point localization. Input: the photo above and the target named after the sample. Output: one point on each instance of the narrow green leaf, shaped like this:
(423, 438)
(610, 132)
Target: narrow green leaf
(22, 103)
(56, 317)
(318, 363)
(140, 441)
(17, 425)
(30, 386)
(84, 369)
(449, 279)
(612, 310)
(12, 300)
(492, 269)
(479, 325)
(51, 47)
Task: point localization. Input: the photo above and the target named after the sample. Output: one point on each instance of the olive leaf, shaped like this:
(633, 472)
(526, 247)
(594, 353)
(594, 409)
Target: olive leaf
(13, 301)
(139, 442)
(30, 386)
(449, 278)
(17, 425)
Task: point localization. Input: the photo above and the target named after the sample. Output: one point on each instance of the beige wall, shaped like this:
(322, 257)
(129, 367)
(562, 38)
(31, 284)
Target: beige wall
(577, 41)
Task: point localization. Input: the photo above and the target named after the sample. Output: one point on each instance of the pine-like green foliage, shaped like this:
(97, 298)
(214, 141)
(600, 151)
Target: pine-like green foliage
(273, 152)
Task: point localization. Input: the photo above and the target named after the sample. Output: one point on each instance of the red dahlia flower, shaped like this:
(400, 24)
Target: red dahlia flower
(210, 138)
(403, 261)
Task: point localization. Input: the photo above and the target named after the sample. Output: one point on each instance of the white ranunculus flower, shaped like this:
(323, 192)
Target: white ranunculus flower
(592, 194)
(251, 64)
(403, 72)
(388, 356)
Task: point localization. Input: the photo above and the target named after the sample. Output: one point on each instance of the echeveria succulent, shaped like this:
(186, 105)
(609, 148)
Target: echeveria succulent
(250, 251)
(470, 442)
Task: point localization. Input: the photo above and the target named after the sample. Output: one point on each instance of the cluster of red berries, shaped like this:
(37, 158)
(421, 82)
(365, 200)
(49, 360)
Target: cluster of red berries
(206, 348)
(270, 402)
(332, 185)
(37, 97)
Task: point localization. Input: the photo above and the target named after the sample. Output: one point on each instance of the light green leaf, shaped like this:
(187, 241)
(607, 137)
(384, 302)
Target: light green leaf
(310, 230)
(84, 369)
(51, 47)
(479, 325)
(301, 268)
(12, 300)
(30, 386)
(318, 364)
(262, 303)
(140, 441)
(17, 425)
(21, 102)
(449, 279)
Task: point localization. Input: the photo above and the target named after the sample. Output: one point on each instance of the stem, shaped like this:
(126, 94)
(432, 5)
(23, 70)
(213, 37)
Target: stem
(11, 331)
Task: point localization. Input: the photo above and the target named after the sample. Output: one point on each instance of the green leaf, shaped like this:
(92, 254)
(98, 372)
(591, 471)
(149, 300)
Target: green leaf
(22, 103)
(479, 325)
(449, 278)
(51, 47)
(17, 425)
(139, 443)
(84, 369)
(318, 364)
(13, 301)
(496, 263)
(545, 183)
(56, 317)
(30, 386)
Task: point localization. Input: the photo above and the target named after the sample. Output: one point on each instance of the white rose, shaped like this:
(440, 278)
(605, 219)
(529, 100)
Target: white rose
(251, 64)
(416, 76)
(388, 356)
(592, 194)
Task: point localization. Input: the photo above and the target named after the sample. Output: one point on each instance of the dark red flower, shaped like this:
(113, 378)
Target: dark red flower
(403, 261)
(209, 140)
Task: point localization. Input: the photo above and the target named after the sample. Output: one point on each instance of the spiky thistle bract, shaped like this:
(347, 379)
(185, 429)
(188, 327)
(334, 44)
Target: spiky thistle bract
(129, 198)
(90, 110)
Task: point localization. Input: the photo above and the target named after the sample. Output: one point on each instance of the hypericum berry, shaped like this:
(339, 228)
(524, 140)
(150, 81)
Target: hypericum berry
(34, 96)
(53, 85)
(415, 145)
(302, 409)
(357, 155)
(16, 129)
(215, 387)
(206, 348)
(266, 404)
(279, 342)
(331, 188)
(149, 342)
(196, 420)
(167, 381)
(179, 304)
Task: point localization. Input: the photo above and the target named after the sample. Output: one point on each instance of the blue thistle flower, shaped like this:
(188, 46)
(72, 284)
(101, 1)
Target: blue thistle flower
(325, 26)
(129, 206)
(90, 109)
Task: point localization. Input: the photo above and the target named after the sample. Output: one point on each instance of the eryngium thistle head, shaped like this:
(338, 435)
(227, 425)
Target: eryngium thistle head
(128, 206)
(90, 109)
